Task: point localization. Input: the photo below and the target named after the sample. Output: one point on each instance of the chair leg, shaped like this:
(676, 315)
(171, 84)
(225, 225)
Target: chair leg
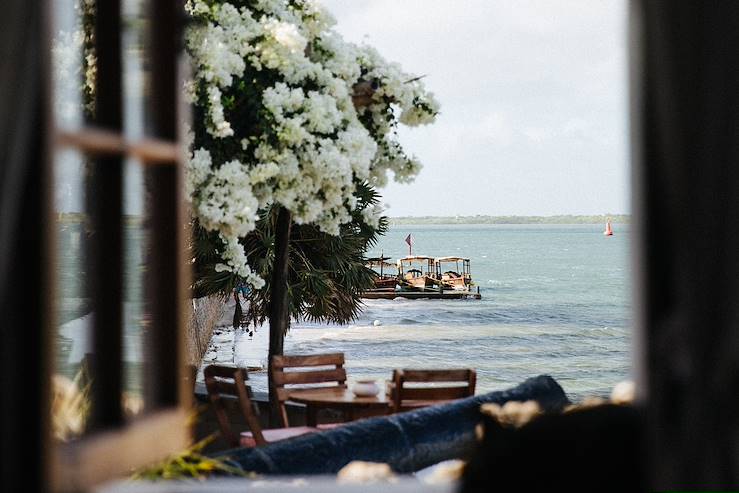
(311, 416)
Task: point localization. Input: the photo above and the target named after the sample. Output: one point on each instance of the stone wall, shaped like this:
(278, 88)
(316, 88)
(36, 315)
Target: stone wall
(205, 314)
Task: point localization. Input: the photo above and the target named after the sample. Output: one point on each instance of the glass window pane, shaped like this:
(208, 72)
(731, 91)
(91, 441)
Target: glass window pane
(135, 76)
(134, 321)
(73, 59)
(73, 62)
(72, 341)
(135, 233)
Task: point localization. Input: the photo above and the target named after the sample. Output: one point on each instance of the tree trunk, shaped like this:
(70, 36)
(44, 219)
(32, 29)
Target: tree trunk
(279, 317)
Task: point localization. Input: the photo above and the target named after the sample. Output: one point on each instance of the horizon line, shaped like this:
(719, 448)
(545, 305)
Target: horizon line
(512, 215)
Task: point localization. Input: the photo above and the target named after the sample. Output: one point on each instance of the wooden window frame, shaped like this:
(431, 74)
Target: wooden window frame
(672, 462)
(113, 447)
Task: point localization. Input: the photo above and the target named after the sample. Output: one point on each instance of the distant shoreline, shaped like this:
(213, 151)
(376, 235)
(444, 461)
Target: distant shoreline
(75, 217)
(80, 217)
(479, 219)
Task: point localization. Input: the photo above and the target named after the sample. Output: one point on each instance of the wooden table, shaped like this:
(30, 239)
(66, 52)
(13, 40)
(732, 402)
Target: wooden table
(339, 398)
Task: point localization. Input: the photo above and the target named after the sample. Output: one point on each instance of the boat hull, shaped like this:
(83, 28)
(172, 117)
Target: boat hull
(422, 282)
(385, 283)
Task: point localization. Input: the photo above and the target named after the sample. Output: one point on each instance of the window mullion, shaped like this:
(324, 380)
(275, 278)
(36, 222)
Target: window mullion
(166, 277)
(105, 207)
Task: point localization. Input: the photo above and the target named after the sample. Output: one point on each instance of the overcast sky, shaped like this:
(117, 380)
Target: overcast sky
(533, 100)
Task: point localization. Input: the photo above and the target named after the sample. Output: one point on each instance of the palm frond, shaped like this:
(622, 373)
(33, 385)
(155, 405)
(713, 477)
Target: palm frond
(327, 274)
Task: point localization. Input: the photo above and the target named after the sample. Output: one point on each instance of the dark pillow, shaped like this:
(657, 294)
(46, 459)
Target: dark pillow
(592, 449)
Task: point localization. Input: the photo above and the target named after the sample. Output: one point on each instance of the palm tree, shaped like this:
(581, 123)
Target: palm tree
(320, 278)
(326, 274)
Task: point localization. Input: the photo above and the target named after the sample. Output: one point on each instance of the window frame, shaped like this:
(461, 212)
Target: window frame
(114, 446)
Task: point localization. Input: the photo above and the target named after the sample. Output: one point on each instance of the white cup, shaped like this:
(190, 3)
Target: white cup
(365, 388)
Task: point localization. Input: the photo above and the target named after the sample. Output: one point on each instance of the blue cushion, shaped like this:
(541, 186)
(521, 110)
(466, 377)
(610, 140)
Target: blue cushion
(407, 441)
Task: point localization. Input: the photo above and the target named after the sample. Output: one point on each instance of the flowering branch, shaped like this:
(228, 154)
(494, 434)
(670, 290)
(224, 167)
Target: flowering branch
(289, 114)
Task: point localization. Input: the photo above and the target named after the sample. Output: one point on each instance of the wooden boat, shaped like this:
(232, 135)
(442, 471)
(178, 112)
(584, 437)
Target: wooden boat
(417, 272)
(453, 273)
(422, 277)
(387, 273)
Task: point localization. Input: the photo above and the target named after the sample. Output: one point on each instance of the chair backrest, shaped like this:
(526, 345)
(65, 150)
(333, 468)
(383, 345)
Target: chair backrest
(401, 394)
(226, 381)
(284, 381)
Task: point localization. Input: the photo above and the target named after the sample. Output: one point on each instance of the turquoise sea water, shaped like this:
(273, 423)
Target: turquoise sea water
(555, 300)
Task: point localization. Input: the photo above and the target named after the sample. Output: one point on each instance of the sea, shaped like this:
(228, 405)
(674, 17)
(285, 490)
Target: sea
(555, 301)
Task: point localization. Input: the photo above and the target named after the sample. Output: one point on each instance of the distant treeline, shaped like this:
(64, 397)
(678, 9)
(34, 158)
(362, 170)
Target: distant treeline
(563, 219)
(80, 217)
(75, 217)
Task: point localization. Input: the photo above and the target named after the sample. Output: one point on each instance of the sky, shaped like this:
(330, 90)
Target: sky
(533, 105)
(533, 102)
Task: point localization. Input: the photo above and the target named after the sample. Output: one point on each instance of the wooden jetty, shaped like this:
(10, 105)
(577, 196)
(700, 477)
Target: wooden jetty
(421, 295)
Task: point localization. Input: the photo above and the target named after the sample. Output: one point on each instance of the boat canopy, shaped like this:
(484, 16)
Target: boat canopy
(378, 259)
(451, 259)
(414, 258)
(372, 263)
(443, 263)
(407, 262)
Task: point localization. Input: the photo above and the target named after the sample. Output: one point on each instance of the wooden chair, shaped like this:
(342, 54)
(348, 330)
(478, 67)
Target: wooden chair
(224, 382)
(405, 397)
(284, 381)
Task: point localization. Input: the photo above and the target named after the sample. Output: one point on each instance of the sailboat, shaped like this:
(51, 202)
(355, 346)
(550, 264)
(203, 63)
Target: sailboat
(609, 230)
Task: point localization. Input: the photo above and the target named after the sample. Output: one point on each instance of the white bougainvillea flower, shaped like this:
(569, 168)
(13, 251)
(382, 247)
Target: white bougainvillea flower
(308, 145)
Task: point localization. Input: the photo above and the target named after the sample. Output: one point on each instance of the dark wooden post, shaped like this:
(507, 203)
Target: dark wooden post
(685, 122)
(166, 273)
(279, 316)
(27, 287)
(105, 208)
